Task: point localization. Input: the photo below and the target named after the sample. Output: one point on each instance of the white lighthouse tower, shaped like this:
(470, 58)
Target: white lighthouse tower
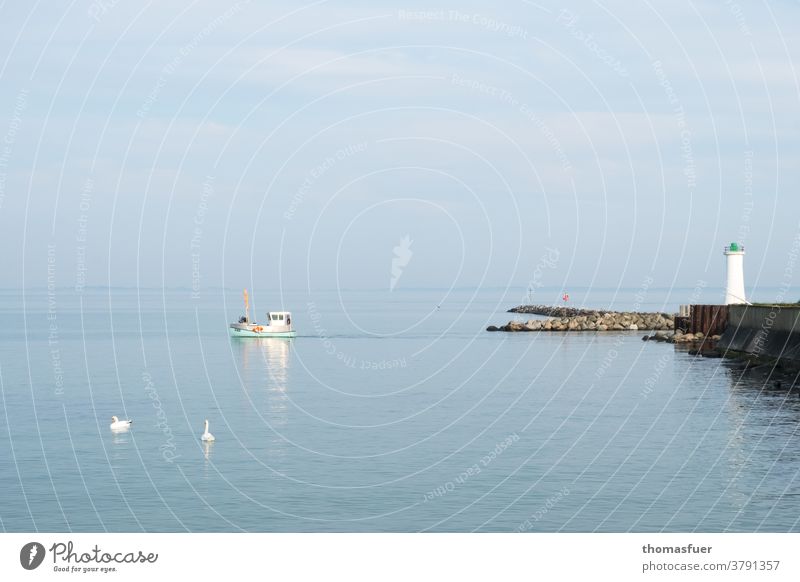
(734, 287)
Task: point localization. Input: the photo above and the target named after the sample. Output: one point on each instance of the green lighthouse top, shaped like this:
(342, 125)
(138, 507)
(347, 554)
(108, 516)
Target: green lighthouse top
(734, 247)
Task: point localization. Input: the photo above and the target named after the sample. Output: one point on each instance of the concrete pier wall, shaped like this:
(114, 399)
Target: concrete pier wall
(763, 330)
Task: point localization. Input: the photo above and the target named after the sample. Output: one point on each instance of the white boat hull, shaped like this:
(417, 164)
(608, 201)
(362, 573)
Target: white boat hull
(255, 330)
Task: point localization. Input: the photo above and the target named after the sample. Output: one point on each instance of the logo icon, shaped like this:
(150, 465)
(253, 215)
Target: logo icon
(402, 256)
(31, 555)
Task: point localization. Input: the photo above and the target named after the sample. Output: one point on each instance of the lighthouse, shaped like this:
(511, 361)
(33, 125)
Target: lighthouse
(734, 287)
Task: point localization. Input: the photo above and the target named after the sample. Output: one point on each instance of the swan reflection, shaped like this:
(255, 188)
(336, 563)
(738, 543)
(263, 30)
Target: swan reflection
(208, 446)
(120, 437)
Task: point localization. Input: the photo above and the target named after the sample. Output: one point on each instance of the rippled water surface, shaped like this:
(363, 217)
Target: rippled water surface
(388, 412)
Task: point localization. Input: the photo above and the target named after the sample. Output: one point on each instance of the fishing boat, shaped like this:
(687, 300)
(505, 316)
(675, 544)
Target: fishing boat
(279, 324)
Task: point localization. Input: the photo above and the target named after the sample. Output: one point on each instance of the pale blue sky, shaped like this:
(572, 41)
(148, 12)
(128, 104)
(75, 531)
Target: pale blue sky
(635, 139)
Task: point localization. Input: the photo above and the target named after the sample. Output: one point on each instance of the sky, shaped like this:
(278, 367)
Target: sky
(336, 144)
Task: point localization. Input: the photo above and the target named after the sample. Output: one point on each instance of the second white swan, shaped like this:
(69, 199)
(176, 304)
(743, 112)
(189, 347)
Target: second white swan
(207, 436)
(117, 424)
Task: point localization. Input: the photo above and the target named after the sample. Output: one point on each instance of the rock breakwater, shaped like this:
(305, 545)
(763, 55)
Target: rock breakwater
(573, 319)
(678, 337)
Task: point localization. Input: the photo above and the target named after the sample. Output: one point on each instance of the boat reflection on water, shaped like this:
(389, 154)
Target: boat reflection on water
(266, 354)
(264, 372)
(265, 365)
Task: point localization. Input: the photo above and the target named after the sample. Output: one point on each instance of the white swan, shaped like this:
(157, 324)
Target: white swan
(117, 424)
(207, 436)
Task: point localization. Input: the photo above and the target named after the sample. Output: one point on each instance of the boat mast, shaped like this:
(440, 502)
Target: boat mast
(246, 307)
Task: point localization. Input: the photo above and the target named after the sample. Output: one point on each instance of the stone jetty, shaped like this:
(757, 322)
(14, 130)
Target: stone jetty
(678, 337)
(573, 319)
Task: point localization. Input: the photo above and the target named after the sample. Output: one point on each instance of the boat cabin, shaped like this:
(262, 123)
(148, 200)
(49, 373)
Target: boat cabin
(279, 318)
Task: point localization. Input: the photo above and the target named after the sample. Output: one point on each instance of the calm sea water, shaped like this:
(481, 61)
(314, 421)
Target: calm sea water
(388, 412)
